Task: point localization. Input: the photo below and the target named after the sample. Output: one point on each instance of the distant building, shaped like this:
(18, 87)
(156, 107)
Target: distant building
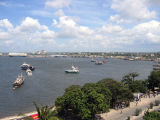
(43, 52)
(152, 55)
(38, 53)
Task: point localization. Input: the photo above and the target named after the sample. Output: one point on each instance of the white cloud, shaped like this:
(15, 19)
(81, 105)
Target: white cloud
(133, 9)
(30, 25)
(70, 29)
(29, 35)
(111, 28)
(59, 13)
(57, 3)
(70, 36)
(117, 19)
(6, 24)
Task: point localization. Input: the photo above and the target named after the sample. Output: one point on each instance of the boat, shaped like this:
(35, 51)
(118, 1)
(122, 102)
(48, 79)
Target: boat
(29, 72)
(104, 61)
(156, 67)
(131, 59)
(26, 66)
(73, 70)
(18, 82)
(99, 62)
(17, 54)
(93, 60)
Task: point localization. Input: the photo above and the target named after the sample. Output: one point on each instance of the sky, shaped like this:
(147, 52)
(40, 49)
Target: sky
(80, 25)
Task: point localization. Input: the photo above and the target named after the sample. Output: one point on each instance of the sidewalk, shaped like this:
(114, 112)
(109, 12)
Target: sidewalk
(129, 111)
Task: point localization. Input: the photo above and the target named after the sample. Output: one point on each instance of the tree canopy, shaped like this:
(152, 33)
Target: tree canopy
(154, 80)
(135, 85)
(82, 104)
(120, 93)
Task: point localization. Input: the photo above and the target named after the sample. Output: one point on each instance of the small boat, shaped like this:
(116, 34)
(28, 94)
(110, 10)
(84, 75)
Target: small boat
(29, 72)
(73, 70)
(104, 61)
(26, 66)
(131, 59)
(93, 60)
(18, 82)
(99, 62)
(156, 67)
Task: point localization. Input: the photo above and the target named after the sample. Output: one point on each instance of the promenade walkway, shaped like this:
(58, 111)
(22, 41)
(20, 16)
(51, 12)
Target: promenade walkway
(144, 104)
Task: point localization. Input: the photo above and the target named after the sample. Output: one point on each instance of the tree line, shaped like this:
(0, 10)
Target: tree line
(84, 102)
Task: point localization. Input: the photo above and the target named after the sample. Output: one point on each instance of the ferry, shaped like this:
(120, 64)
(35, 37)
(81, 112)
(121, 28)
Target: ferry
(17, 54)
(26, 66)
(73, 70)
(18, 82)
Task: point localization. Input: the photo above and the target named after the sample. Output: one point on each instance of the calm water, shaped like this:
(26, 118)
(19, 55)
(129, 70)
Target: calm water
(49, 79)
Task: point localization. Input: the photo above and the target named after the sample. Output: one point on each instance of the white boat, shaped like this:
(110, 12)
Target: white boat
(73, 70)
(17, 54)
(93, 60)
(29, 72)
(26, 66)
(18, 82)
(99, 63)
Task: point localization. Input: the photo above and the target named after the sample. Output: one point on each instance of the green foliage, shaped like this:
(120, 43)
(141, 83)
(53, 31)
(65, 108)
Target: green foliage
(134, 85)
(154, 80)
(151, 105)
(73, 104)
(138, 111)
(120, 93)
(151, 115)
(99, 88)
(157, 102)
(44, 112)
(83, 103)
(138, 86)
(129, 78)
(28, 118)
(55, 118)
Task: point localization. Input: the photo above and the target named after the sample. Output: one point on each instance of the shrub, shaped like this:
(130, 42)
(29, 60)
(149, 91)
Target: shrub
(151, 105)
(138, 111)
(151, 115)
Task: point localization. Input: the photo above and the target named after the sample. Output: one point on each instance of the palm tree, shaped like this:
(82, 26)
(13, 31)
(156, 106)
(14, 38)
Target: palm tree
(44, 112)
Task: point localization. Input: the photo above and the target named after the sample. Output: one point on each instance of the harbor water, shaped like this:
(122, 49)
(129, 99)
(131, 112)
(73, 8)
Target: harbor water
(49, 79)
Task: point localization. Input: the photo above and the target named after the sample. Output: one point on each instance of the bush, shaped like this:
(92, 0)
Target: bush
(157, 102)
(151, 105)
(151, 115)
(138, 111)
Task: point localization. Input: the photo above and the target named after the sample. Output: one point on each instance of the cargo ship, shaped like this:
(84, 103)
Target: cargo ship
(17, 54)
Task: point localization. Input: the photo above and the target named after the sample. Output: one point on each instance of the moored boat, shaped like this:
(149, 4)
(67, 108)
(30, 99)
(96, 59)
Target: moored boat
(26, 66)
(99, 62)
(18, 82)
(29, 72)
(104, 61)
(156, 67)
(73, 70)
(93, 60)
